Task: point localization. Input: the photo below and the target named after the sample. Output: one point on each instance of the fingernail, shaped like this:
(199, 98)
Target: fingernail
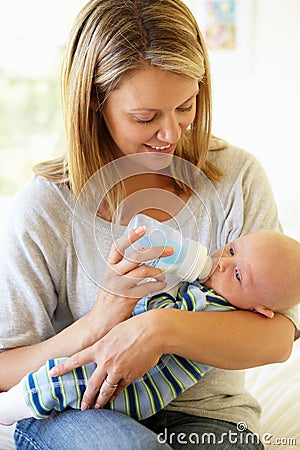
(53, 372)
(84, 406)
(140, 230)
(169, 250)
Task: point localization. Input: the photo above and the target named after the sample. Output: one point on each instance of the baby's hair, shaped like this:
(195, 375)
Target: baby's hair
(285, 276)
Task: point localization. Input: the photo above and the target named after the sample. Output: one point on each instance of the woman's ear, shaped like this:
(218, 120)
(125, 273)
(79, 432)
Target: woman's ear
(265, 311)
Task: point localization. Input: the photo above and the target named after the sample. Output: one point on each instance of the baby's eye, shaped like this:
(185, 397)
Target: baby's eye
(237, 275)
(231, 251)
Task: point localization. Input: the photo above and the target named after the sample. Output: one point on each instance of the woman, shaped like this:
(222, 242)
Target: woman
(137, 112)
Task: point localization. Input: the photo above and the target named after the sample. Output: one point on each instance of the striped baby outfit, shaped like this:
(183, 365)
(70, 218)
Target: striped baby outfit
(147, 395)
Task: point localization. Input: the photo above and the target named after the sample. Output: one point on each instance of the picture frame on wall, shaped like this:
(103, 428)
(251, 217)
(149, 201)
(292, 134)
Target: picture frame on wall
(227, 27)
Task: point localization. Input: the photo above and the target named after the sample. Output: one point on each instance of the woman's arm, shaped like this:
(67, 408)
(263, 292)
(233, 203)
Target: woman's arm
(112, 306)
(235, 340)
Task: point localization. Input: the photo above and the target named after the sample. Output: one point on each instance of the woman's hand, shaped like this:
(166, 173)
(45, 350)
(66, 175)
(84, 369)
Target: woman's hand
(124, 354)
(122, 283)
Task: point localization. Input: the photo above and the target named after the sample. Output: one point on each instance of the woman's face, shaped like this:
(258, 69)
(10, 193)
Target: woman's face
(150, 111)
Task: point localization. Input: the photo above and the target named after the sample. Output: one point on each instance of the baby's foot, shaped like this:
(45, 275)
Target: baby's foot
(13, 406)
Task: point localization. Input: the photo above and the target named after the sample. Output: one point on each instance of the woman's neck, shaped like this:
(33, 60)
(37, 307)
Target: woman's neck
(149, 181)
(156, 195)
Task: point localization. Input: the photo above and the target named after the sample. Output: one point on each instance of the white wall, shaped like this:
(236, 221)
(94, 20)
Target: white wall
(258, 109)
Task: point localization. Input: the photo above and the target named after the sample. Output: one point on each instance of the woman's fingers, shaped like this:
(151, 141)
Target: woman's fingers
(69, 364)
(92, 390)
(136, 258)
(144, 289)
(107, 391)
(121, 244)
(144, 271)
(122, 278)
(122, 286)
(119, 390)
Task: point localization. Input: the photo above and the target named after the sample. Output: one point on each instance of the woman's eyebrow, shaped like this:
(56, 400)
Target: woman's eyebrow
(192, 96)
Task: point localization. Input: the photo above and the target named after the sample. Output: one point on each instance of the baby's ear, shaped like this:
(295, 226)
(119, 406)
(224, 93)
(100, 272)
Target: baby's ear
(265, 311)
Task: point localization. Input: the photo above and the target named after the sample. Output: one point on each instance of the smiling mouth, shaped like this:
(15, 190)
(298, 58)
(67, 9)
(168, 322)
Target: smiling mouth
(163, 148)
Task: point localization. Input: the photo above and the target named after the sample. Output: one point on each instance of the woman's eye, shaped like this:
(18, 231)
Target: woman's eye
(145, 121)
(187, 109)
(237, 275)
(231, 251)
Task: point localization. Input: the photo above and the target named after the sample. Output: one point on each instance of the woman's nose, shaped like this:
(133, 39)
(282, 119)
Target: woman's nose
(170, 130)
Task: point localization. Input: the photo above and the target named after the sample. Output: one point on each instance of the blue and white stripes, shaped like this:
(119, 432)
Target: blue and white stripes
(145, 396)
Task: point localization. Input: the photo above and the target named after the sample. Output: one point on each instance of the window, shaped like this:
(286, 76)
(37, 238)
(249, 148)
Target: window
(34, 33)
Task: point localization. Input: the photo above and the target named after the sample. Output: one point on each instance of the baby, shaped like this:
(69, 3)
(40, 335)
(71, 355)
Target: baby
(257, 272)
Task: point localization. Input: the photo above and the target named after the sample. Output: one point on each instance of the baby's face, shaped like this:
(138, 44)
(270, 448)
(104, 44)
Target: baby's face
(241, 271)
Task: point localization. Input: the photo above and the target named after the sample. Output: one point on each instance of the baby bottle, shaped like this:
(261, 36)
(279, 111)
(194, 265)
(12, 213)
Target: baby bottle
(189, 260)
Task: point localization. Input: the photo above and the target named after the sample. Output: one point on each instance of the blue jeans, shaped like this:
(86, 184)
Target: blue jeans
(81, 430)
(109, 430)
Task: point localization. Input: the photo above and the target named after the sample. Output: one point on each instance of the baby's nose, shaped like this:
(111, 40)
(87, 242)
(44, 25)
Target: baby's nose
(223, 263)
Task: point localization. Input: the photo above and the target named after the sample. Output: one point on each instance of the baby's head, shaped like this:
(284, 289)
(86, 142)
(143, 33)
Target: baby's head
(259, 271)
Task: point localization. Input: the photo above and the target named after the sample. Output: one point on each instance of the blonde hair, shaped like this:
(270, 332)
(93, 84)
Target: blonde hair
(109, 39)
